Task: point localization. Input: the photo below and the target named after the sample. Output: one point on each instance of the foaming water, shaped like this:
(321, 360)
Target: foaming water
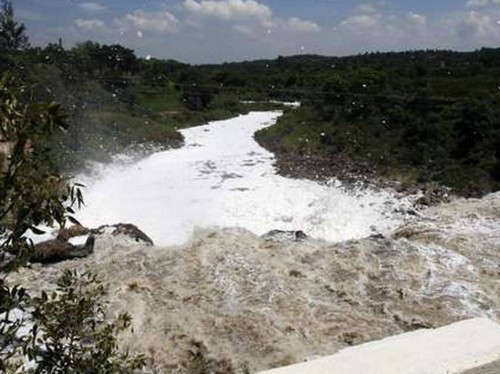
(222, 177)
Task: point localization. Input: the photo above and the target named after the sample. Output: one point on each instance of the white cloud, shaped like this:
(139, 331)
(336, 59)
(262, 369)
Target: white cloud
(476, 3)
(92, 7)
(249, 18)
(244, 29)
(416, 18)
(155, 22)
(228, 30)
(385, 31)
(366, 8)
(229, 9)
(360, 22)
(476, 27)
(300, 25)
(480, 3)
(89, 24)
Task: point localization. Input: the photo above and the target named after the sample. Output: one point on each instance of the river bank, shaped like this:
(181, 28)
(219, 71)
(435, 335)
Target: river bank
(323, 169)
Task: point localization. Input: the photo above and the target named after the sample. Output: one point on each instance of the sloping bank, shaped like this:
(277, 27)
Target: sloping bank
(261, 303)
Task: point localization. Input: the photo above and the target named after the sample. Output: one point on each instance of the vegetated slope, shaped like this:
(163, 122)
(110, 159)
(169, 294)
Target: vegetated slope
(415, 116)
(262, 303)
(114, 99)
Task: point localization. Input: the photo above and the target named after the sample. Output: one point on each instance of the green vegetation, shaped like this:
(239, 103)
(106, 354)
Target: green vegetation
(419, 116)
(429, 116)
(66, 331)
(12, 34)
(109, 109)
(114, 100)
(31, 192)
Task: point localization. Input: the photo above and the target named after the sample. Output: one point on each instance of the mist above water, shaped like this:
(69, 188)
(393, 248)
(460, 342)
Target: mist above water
(222, 177)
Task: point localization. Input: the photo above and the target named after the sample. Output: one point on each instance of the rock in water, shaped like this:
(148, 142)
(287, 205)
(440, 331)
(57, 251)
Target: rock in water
(61, 248)
(283, 236)
(126, 229)
(57, 250)
(71, 232)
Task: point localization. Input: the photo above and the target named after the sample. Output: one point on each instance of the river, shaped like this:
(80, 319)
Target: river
(222, 177)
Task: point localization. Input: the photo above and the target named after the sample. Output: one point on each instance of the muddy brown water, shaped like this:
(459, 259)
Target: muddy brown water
(262, 304)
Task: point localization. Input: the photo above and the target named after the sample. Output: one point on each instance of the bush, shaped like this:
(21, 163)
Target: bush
(67, 330)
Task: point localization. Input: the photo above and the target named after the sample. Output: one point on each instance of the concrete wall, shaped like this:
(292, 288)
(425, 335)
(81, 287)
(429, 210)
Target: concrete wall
(452, 349)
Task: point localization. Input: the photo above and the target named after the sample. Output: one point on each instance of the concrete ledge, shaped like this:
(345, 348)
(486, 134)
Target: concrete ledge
(452, 349)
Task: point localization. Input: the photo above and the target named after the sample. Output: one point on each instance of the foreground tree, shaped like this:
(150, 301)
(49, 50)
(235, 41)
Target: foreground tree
(32, 193)
(66, 331)
(12, 34)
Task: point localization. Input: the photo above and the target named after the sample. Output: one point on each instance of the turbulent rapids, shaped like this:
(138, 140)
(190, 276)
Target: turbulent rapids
(222, 177)
(262, 303)
(259, 303)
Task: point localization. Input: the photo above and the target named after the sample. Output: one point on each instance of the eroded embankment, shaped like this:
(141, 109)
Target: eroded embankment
(262, 303)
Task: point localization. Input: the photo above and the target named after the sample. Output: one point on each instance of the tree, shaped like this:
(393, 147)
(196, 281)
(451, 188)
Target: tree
(32, 193)
(66, 331)
(12, 34)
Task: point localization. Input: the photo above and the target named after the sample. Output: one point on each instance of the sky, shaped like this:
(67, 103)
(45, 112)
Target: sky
(215, 31)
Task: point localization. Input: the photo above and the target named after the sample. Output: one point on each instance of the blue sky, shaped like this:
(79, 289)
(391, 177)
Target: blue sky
(206, 31)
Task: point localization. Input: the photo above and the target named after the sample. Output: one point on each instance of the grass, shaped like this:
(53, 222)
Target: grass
(158, 99)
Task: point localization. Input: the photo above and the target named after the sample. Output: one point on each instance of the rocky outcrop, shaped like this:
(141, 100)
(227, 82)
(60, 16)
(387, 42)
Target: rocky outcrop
(432, 195)
(61, 248)
(72, 231)
(57, 250)
(125, 229)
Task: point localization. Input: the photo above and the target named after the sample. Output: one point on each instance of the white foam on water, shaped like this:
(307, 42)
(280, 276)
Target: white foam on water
(222, 177)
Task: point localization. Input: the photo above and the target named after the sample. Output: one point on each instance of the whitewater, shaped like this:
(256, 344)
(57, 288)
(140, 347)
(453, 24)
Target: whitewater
(222, 178)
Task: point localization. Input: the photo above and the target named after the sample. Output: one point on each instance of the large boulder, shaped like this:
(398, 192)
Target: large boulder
(57, 250)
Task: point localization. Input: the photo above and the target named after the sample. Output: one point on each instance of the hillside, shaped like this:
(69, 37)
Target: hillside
(115, 102)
